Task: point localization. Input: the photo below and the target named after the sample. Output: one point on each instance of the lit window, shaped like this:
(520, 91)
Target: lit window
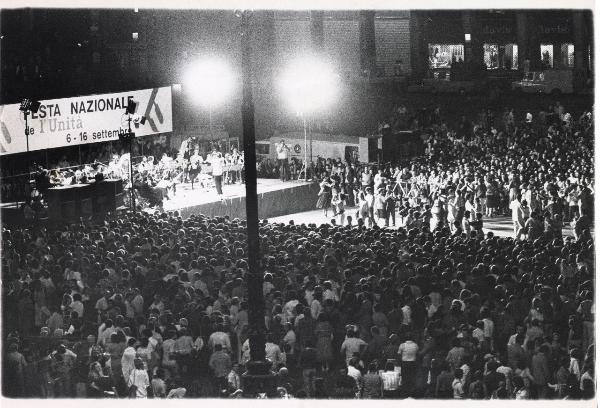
(511, 56)
(490, 56)
(443, 55)
(501, 56)
(547, 55)
(567, 55)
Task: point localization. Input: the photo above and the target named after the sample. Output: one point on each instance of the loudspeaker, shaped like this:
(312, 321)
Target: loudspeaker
(131, 107)
(108, 196)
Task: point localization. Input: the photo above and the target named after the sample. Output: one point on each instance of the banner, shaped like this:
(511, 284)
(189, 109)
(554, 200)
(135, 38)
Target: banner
(84, 119)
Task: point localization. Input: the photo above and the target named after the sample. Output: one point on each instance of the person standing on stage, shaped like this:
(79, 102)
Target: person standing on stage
(218, 163)
(282, 159)
(194, 166)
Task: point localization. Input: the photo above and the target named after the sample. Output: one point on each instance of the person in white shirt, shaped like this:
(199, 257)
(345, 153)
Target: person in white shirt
(128, 358)
(355, 373)
(139, 378)
(273, 353)
(329, 292)
(517, 216)
(458, 385)
(379, 205)
(370, 199)
(352, 345)
(315, 306)
(407, 353)
(77, 305)
(290, 337)
(178, 392)
(137, 303)
(378, 180)
(513, 338)
(219, 337)
(217, 163)
(290, 307)
(282, 158)
(391, 380)
(234, 381)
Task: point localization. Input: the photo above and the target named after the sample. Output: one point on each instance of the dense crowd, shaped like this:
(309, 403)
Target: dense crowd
(153, 305)
(540, 172)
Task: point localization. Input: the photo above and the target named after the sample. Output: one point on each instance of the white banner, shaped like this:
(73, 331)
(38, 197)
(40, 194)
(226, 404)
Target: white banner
(84, 119)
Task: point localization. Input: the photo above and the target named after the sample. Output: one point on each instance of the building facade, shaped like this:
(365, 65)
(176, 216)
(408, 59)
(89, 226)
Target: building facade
(52, 53)
(502, 41)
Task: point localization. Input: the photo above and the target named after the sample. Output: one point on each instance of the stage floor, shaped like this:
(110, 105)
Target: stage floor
(186, 197)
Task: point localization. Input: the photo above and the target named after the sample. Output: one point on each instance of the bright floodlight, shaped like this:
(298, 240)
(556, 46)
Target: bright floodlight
(309, 84)
(210, 81)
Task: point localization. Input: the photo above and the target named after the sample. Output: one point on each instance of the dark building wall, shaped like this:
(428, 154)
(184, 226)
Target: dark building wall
(527, 29)
(63, 53)
(393, 42)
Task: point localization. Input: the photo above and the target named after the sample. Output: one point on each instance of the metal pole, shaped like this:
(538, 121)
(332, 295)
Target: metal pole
(311, 146)
(131, 136)
(26, 131)
(210, 132)
(257, 379)
(255, 296)
(131, 172)
(28, 157)
(305, 149)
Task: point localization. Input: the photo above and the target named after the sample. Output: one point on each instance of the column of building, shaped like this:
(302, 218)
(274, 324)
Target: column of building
(317, 35)
(522, 38)
(581, 52)
(366, 38)
(418, 49)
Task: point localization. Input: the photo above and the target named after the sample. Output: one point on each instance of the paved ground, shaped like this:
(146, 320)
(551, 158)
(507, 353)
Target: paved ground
(500, 226)
(187, 197)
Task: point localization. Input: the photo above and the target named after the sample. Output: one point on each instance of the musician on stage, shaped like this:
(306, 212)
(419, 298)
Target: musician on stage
(238, 163)
(217, 162)
(282, 159)
(194, 166)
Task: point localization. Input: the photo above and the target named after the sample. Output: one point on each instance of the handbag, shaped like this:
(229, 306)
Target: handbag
(133, 388)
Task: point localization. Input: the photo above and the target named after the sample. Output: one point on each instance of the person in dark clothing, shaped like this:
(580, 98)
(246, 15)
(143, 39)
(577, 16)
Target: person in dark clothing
(345, 386)
(492, 378)
(308, 363)
(443, 386)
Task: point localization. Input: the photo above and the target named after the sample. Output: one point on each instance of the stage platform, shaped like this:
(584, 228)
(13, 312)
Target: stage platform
(275, 198)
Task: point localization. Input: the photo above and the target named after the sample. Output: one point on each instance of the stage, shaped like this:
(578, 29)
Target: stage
(275, 198)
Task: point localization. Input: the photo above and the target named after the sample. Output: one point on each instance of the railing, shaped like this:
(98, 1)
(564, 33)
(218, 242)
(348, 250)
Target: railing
(15, 189)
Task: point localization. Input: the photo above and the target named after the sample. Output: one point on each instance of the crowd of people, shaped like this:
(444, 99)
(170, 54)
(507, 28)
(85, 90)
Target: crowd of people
(153, 305)
(539, 173)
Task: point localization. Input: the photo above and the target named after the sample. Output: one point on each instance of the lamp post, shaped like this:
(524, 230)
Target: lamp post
(209, 82)
(210, 130)
(258, 379)
(127, 137)
(308, 84)
(28, 106)
(304, 169)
